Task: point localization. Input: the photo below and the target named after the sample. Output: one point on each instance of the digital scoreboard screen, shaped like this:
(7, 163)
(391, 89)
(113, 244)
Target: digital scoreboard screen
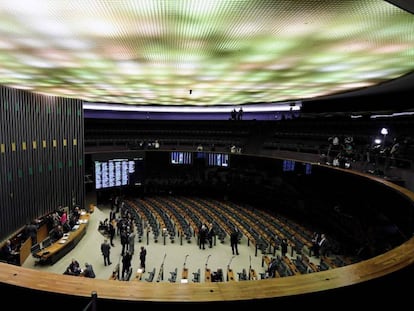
(118, 173)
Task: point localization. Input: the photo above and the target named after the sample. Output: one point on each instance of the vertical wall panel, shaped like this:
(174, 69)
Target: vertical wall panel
(35, 181)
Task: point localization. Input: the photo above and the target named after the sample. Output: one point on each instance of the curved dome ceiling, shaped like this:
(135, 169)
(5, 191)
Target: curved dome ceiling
(203, 53)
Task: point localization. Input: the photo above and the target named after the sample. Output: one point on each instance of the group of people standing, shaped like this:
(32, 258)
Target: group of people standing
(206, 235)
(320, 245)
(123, 226)
(236, 115)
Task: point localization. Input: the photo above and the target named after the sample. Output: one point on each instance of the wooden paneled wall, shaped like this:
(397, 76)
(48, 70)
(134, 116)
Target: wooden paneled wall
(41, 156)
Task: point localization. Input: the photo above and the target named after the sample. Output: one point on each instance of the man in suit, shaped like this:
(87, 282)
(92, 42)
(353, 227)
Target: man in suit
(73, 268)
(284, 247)
(111, 231)
(142, 256)
(88, 271)
(106, 252)
(210, 235)
(271, 270)
(203, 236)
(126, 263)
(234, 241)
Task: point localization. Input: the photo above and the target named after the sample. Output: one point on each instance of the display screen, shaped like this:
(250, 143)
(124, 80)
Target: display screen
(308, 168)
(181, 157)
(218, 159)
(118, 173)
(288, 165)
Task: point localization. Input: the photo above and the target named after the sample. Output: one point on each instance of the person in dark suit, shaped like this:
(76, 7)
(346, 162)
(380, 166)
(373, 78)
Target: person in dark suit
(111, 231)
(8, 253)
(323, 245)
(88, 271)
(284, 247)
(271, 270)
(315, 244)
(31, 231)
(210, 235)
(126, 263)
(142, 256)
(56, 233)
(106, 252)
(73, 268)
(203, 236)
(234, 241)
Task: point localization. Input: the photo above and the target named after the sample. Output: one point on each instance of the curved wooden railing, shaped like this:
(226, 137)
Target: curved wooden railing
(382, 265)
(212, 291)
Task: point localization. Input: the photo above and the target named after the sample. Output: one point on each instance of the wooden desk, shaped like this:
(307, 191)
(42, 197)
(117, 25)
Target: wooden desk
(25, 250)
(138, 275)
(52, 253)
(252, 274)
(230, 275)
(184, 274)
(207, 275)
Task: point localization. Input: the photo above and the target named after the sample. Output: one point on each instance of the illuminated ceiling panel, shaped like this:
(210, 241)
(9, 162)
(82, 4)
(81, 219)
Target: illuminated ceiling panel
(227, 52)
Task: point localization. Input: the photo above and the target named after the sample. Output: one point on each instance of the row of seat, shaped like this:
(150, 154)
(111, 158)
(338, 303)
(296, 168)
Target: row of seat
(226, 214)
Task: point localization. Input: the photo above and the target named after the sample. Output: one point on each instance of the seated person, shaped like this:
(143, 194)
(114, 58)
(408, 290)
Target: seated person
(73, 268)
(73, 221)
(88, 271)
(9, 254)
(272, 268)
(56, 233)
(76, 214)
(217, 276)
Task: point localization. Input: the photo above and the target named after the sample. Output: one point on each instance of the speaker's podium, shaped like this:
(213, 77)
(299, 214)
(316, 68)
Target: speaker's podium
(184, 275)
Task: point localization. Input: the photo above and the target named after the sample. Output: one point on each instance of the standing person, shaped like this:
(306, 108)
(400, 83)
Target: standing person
(131, 241)
(106, 252)
(210, 235)
(234, 241)
(323, 245)
(271, 270)
(111, 231)
(240, 114)
(315, 244)
(124, 241)
(112, 215)
(284, 247)
(31, 230)
(126, 263)
(203, 236)
(142, 256)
